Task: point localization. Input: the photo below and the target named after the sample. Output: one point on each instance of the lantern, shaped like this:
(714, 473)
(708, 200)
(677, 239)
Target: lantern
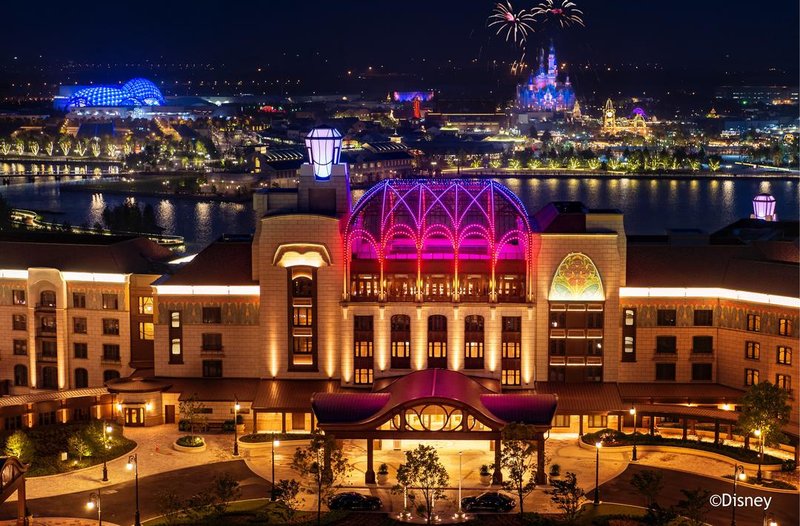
(764, 207)
(324, 147)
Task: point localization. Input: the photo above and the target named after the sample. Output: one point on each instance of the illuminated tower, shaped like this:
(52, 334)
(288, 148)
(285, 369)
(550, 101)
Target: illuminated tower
(552, 65)
(324, 182)
(609, 116)
(416, 105)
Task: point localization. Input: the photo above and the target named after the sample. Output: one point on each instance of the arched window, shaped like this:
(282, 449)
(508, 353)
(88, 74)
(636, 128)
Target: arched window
(302, 325)
(473, 342)
(47, 298)
(437, 342)
(81, 378)
(401, 341)
(49, 378)
(20, 375)
(110, 374)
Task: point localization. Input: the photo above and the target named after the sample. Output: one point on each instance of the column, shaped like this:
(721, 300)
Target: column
(619, 422)
(652, 425)
(22, 504)
(541, 478)
(369, 474)
(684, 422)
(580, 425)
(497, 476)
(716, 433)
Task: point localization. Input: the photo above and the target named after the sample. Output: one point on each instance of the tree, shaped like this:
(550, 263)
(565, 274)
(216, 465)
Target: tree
(649, 485)
(424, 472)
(171, 507)
(694, 506)
(323, 465)
(225, 490)
(20, 445)
(517, 459)
(765, 408)
(191, 410)
(65, 145)
(566, 495)
(286, 492)
(79, 446)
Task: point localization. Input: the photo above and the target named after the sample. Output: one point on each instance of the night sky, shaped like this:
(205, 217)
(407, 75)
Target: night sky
(698, 34)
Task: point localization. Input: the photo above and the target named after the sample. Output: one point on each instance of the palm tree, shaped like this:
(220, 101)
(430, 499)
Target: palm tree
(5, 147)
(65, 145)
(96, 148)
(80, 148)
(34, 146)
(593, 164)
(534, 163)
(111, 149)
(49, 147)
(19, 145)
(574, 163)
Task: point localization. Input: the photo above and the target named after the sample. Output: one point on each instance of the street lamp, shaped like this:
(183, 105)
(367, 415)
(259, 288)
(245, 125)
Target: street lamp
(107, 429)
(759, 434)
(738, 474)
(236, 408)
(597, 447)
(95, 503)
(460, 513)
(769, 520)
(275, 442)
(133, 464)
(632, 411)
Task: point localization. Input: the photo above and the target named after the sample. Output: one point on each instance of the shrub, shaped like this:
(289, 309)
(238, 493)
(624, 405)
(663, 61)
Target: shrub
(555, 470)
(260, 438)
(485, 471)
(183, 425)
(788, 466)
(227, 426)
(286, 492)
(171, 507)
(225, 489)
(383, 469)
(20, 445)
(190, 441)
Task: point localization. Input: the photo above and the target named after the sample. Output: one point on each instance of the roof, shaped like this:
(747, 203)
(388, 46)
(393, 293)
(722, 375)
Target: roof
(679, 392)
(293, 394)
(137, 385)
(370, 410)
(213, 389)
(82, 253)
(583, 398)
(221, 263)
(8, 401)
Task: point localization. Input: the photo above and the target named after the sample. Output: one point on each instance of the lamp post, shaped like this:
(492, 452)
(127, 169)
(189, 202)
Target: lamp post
(460, 513)
(95, 503)
(633, 413)
(236, 408)
(597, 447)
(769, 520)
(133, 464)
(275, 442)
(760, 436)
(107, 429)
(738, 474)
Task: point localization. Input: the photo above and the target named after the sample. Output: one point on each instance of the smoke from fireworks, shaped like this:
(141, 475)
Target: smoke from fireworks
(565, 12)
(514, 25)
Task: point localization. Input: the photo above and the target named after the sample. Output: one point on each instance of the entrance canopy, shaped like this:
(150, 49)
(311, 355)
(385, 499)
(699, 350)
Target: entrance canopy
(431, 400)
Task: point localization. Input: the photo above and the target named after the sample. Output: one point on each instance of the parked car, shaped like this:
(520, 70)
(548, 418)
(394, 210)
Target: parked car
(488, 501)
(353, 501)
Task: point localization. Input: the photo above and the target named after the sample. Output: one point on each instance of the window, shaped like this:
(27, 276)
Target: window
(666, 318)
(702, 344)
(49, 378)
(146, 330)
(20, 347)
(19, 322)
(701, 372)
(145, 305)
(558, 319)
(594, 320)
(110, 302)
(754, 323)
(81, 378)
(110, 327)
(628, 346)
(665, 372)
(18, 297)
(302, 287)
(110, 374)
(666, 344)
(175, 319)
(20, 375)
(510, 377)
(751, 377)
(212, 368)
(784, 355)
(79, 300)
(49, 349)
(785, 327)
(473, 342)
(561, 421)
(704, 317)
(302, 316)
(437, 341)
(362, 336)
(12, 423)
(212, 341)
(212, 315)
(558, 347)
(80, 350)
(79, 325)
(630, 317)
(511, 336)
(111, 352)
(362, 376)
(629, 335)
(175, 346)
(752, 350)
(598, 421)
(303, 349)
(401, 341)
(47, 298)
(784, 381)
(47, 418)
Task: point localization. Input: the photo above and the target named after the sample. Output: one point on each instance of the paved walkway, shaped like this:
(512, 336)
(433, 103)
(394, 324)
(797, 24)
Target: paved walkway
(59, 521)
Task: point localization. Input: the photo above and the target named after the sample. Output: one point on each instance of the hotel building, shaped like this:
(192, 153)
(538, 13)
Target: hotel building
(437, 306)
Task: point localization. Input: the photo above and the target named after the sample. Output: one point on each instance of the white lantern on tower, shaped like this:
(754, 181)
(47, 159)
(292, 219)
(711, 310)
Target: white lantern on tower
(764, 207)
(324, 147)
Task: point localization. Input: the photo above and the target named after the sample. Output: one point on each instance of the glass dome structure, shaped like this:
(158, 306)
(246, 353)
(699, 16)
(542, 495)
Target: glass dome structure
(135, 92)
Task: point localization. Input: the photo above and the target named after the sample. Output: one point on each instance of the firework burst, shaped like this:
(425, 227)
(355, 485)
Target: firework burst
(565, 12)
(515, 25)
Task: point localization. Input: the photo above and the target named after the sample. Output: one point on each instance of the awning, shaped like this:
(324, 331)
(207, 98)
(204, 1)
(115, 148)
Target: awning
(583, 398)
(293, 395)
(7, 401)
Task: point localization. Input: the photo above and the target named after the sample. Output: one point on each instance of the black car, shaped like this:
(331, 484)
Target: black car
(489, 501)
(353, 501)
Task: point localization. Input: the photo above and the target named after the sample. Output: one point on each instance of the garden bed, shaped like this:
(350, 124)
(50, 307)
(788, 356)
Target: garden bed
(189, 444)
(612, 438)
(261, 438)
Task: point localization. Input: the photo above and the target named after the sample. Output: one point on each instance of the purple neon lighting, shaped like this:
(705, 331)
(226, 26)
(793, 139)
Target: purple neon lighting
(444, 219)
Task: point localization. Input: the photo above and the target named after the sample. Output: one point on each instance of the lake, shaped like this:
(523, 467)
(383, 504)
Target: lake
(650, 205)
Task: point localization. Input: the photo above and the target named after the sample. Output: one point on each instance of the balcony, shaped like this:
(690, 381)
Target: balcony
(46, 331)
(401, 362)
(211, 349)
(45, 307)
(701, 354)
(473, 363)
(110, 358)
(47, 357)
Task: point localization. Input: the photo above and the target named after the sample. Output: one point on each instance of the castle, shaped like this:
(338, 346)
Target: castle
(543, 92)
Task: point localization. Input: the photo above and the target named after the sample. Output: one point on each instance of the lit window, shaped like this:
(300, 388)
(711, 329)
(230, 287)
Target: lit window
(750, 377)
(362, 376)
(175, 319)
(754, 323)
(146, 330)
(175, 346)
(784, 355)
(145, 305)
(785, 327)
(752, 350)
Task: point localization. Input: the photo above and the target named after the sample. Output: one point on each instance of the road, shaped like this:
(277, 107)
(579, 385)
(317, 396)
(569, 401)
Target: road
(118, 500)
(784, 506)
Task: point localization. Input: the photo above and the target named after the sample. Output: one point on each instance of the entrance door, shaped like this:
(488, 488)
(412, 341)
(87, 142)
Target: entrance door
(169, 414)
(134, 416)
